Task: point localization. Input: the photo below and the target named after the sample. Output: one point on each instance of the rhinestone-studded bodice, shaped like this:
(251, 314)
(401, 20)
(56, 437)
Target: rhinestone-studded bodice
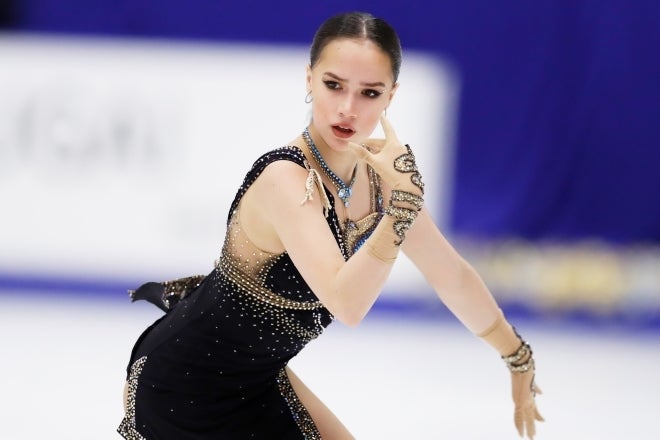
(215, 361)
(254, 301)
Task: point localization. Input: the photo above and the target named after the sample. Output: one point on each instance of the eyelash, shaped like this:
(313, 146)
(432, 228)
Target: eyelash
(369, 93)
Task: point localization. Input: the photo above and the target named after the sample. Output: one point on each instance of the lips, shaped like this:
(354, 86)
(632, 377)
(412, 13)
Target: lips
(342, 132)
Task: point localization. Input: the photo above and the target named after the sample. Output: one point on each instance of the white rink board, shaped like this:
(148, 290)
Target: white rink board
(119, 158)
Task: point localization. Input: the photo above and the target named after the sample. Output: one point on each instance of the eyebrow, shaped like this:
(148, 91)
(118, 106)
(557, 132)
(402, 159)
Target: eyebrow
(366, 84)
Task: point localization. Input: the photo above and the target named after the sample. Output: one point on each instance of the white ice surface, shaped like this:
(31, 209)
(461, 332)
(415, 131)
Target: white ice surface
(62, 371)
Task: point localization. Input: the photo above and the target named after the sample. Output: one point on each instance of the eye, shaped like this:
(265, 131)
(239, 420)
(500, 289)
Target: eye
(332, 85)
(371, 93)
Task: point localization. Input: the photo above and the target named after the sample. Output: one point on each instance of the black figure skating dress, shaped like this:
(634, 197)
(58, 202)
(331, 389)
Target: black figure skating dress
(213, 367)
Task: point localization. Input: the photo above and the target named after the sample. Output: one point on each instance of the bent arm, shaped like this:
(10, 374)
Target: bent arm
(347, 289)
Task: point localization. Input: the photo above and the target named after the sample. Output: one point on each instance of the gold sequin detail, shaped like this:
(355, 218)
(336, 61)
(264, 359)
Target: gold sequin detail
(404, 196)
(250, 286)
(404, 219)
(127, 426)
(176, 290)
(314, 179)
(300, 414)
(356, 232)
(406, 164)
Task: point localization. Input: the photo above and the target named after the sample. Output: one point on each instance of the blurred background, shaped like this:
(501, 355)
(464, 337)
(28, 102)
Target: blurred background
(127, 126)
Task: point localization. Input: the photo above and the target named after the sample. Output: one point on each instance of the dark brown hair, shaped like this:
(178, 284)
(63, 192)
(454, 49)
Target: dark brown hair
(358, 25)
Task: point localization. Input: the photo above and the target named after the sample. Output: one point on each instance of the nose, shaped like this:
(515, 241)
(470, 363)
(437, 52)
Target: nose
(346, 107)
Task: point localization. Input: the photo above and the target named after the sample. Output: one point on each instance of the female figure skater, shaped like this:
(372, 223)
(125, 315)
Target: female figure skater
(310, 220)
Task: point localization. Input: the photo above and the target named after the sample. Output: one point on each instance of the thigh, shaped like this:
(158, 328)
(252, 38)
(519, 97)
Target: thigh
(325, 420)
(126, 396)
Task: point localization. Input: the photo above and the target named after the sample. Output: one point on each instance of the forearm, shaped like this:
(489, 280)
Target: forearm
(453, 279)
(468, 298)
(359, 282)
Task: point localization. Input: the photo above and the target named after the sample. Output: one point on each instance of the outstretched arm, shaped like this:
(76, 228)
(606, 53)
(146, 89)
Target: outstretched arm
(462, 290)
(453, 279)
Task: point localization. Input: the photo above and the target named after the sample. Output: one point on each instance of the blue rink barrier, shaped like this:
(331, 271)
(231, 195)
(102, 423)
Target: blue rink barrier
(388, 306)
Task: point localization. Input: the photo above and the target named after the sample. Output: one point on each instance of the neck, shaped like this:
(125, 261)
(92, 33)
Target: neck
(344, 187)
(342, 163)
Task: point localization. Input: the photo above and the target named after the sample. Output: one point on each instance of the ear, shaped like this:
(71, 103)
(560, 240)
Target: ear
(308, 78)
(392, 92)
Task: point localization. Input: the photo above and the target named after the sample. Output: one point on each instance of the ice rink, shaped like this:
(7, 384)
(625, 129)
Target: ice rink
(63, 360)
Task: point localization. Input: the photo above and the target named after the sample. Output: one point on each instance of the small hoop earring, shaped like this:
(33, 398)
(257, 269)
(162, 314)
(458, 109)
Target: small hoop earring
(308, 98)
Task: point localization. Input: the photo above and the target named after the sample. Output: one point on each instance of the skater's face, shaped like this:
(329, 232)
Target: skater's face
(351, 85)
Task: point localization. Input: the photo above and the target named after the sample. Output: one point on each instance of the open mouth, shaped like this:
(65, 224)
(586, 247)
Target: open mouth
(342, 132)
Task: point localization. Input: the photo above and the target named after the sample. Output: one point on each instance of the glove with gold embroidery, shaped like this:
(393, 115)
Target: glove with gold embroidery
(395, 164)
(393, 161)
(518, 357)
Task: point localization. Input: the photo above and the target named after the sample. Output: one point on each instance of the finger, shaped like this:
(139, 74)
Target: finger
(361, 152)
(529, 425)
(388, 129)
(374, 145)
(537, 415)
(518, 421)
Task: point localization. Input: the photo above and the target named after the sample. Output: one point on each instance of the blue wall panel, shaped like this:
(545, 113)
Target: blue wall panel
(557, 133)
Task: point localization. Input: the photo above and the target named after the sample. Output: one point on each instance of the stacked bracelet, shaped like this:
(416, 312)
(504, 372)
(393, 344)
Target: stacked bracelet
(512, 360)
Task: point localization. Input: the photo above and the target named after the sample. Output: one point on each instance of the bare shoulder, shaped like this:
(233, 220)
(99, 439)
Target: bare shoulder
(272, 205)
(281, 179)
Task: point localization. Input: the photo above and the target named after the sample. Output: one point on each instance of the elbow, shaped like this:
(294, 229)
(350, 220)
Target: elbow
(351, 322)
(349, 318)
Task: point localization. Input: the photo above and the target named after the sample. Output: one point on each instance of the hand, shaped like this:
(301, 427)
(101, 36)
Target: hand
(518, 357)
(525, 413)
(393, 161)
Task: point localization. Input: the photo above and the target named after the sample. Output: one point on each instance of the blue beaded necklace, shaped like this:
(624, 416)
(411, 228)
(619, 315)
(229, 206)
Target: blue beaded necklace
(343, 191)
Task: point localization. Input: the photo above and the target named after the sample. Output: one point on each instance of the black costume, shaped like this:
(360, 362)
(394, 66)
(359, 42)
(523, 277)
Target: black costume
(213, 367)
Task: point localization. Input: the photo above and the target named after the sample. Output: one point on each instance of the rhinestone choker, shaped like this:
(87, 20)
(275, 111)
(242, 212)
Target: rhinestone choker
(343, 191)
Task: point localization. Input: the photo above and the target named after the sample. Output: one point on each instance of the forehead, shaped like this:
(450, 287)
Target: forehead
(356, 60)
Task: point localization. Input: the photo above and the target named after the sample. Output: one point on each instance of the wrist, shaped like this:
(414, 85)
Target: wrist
(515, 351)
(501, 336)
(381, 244)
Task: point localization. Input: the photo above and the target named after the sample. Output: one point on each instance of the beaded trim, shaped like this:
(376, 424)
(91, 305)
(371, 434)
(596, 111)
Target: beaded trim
(512, 359)
(259, 292)
(314, 178)
(406, 164)
(300, 414)
(403, 220)
(405, 196)
(127, 427)
(518, 355)
(176, 290)
(523, 368)
(356, 232)
(343, 191)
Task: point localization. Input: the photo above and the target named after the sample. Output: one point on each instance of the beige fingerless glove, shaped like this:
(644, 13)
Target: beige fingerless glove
(382, 242)
(517, 355)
